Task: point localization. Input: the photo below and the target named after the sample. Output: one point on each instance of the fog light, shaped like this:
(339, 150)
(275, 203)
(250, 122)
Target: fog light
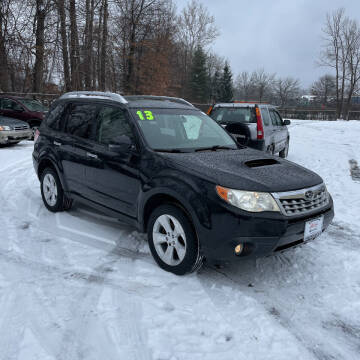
(239, 249)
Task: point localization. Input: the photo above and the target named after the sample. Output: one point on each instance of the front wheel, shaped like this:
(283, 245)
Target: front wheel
(33, 131)
(52, 192)
(173, 241)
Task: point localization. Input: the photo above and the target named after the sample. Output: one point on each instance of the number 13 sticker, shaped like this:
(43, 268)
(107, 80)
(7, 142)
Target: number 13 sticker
(148, 115)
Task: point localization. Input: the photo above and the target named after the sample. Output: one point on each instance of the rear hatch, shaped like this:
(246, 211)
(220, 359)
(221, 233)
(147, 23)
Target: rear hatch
(240, 121)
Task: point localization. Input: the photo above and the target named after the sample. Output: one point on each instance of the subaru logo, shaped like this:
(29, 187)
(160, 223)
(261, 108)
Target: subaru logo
(309, 195)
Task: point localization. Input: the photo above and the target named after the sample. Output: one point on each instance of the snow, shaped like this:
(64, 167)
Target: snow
(80, 285)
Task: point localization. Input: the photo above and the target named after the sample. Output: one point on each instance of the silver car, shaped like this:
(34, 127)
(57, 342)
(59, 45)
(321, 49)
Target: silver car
(256, 125)
(13, 131)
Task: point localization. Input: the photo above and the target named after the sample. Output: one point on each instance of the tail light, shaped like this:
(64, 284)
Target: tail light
(37, 134)
(260, 128)
(209, 110)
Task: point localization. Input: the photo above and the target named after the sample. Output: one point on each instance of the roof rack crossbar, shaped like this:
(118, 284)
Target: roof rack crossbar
(156, 97)
(94, 94)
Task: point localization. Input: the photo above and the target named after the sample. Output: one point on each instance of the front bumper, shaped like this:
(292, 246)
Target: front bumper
(11, 136)
(260, 236)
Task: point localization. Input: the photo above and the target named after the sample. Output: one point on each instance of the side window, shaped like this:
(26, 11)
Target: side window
(279, 120)
(80, 118)
(112, 123)
(8, 104)
(273, 117)
(55, 116)
(265, 116)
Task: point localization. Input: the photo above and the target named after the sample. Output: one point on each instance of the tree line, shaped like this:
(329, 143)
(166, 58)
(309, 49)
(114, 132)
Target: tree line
(341, 53)
(127, 46)
(150, 47)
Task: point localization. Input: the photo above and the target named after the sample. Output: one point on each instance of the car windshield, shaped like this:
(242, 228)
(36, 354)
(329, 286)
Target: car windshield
(243, 115)
(33, 105)
(181, 130)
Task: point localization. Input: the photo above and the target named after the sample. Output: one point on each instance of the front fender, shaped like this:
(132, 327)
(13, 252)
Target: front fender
(191, 196)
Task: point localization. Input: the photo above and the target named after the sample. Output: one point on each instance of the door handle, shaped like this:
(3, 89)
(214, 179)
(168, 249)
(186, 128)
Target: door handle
(57, 143)
(91, 155)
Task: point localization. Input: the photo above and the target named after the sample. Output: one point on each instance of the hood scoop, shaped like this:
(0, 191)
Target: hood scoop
(260, 162)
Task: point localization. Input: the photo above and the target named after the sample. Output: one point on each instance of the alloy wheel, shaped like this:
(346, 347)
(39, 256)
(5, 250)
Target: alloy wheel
(50, 189)
(169, 240)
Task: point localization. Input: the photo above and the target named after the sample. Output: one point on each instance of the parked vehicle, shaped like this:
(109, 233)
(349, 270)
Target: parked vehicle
(256, 125)
(28, 110)
(13, 131)
(165, 167)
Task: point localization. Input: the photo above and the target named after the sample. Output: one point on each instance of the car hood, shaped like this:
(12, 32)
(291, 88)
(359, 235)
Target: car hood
(239, 169)
(11, 121)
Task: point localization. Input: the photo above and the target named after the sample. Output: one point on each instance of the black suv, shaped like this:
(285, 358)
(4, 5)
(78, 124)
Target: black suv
(165, 167)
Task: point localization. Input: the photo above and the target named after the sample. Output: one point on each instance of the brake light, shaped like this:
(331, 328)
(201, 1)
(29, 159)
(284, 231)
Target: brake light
(37, 134)
(209, 110)
(260, 128)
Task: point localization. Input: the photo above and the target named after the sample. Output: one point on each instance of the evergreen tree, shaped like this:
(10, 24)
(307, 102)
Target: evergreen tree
(215, 87)
(226, 85)
(199, 81)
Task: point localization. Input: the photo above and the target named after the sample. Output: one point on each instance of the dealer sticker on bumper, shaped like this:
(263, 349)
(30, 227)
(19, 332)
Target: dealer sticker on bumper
(313, 228)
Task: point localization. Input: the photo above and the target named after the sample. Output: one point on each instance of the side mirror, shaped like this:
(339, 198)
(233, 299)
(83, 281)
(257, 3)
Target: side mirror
(122, 143)
(287, 122)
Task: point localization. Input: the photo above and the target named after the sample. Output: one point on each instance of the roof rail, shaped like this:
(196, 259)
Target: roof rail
(155, 97)
(95, 95)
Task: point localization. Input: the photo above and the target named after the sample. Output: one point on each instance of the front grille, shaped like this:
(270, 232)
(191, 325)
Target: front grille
(302, 201)
(20, 127)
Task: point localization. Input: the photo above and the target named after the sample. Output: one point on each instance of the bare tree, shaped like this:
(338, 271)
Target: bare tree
(244, 85)
(351, 34)
(196, 27)
(4, 70)
(263, 83)
(286, 89)
(64, 43)
(324, 88)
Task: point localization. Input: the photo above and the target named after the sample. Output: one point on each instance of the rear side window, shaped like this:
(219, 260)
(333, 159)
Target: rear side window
(80, 118)
(112, 123)
(55, 116)
(243, 115)
(265, 116)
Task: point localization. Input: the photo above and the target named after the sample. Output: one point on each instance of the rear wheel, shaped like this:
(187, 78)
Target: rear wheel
(52, 192)
(173, 241)
(284, 152)
(270, 150)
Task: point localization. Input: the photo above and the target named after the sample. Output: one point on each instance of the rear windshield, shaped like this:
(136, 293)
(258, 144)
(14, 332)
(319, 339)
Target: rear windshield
(243, 115)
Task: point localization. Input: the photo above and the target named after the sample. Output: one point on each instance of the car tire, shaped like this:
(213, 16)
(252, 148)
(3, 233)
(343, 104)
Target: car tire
(284, 152)
(52, 192)
(270, 150)
(172, 240)
(33, 131)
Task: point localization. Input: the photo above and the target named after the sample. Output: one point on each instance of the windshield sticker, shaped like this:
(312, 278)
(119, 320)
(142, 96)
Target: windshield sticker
(145, 115)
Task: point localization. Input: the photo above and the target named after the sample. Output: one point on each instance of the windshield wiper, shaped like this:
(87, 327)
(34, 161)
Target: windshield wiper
(171, 150)
(215, 147)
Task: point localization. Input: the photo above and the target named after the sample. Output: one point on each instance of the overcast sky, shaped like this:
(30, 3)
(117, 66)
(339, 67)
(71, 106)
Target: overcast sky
(281, 36)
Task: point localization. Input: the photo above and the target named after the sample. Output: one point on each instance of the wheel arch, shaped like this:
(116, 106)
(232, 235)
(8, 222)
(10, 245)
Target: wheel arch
(162, 196)
(49, 163)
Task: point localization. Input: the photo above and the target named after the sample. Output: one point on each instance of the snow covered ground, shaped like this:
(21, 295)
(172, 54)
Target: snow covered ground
(79, 285)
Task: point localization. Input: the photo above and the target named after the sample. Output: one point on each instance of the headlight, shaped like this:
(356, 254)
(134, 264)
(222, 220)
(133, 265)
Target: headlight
(4, 128)
(248, 200)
